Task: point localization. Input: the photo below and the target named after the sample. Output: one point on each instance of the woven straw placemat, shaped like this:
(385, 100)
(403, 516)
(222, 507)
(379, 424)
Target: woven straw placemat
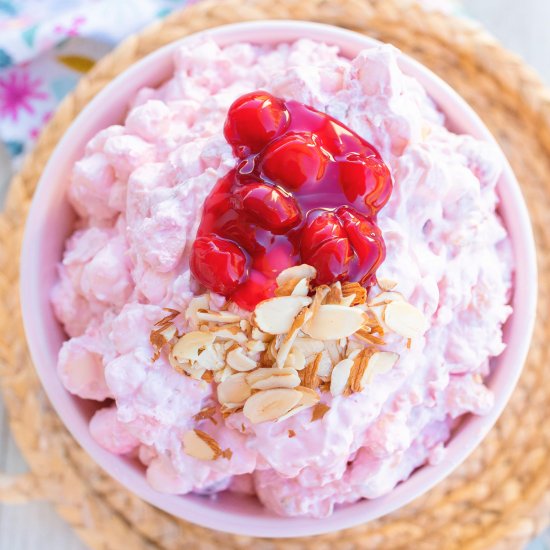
(499, 498)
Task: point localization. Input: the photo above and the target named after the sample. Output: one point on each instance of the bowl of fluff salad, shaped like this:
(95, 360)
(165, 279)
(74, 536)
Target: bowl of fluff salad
(278, 279)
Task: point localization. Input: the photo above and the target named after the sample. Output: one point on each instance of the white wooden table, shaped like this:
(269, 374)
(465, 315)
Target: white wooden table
(522, 26)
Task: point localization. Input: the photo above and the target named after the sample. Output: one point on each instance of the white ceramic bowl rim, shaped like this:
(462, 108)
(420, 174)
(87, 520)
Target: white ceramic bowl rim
(249, 519)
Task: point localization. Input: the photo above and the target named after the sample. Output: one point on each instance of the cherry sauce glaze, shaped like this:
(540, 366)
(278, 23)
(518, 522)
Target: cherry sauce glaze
(305, 189)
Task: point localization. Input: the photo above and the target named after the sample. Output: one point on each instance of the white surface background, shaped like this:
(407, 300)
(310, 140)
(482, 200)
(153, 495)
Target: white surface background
(522, 26)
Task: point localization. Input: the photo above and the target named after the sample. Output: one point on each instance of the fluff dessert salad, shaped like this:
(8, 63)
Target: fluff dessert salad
(287, 277)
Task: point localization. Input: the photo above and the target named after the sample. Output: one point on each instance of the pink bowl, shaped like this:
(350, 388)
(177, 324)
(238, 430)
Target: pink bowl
(50, 222)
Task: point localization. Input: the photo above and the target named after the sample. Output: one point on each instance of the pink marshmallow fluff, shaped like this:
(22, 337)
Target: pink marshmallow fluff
(139, 190)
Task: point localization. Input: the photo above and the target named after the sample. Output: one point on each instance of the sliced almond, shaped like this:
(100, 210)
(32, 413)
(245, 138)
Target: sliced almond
(255, 346)
(333, 350)
(295, 359)
(270, 404)
(287, 287)
(196, 374)
(223, 374)
(386, 298)
(276, 315)
(207, 413)
(379, 362)
(318, 298)
(335, 295)
(187, 348)
(263, 373)
(199, 448)
(325, 363)
(301, 288)
(348, 301)
(405, 319)
(202, 446)
(387, 284)
(234, 389)
(273, 378)
(332, 322)
(340, 376)
(239, 361)
(299, 272)
(217, 316)
(309, 376)
(355, 381)
(257, 334)
(289, 339)
(196, 303)
(365, 334)
(319, 410)
(358, 291)
(229, 332)
(308, 346)
(212, 358)
(309, 398)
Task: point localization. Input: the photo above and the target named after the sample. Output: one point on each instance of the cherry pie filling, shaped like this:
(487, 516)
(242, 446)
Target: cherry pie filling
(305, 189)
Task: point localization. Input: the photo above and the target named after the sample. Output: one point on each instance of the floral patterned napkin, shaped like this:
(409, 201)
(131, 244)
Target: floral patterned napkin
(46, 45)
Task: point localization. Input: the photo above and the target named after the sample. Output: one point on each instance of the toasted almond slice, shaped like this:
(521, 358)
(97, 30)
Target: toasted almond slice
(255, 346)
(199, 447)
(325, 363)
(234, 389)
(340, 376)
(308, 346)
(387, 284)
(276, 315)
(319, 411)
(187, 348)
(321, 293)
(217, 316)
(257, 334)
(277, 378)
(309, 376)
(379, 362)
(196, 303)
(289, 339)
(239, 361)
(263, 373)
(358, 291)
(295, 359)
(332, 322)
(386, 298)
(405, 319)
(352, 346)
(348, 301)
(270, 404)
(364, 334)
(335, 295)
(309, 398)
(287, 287)
(229, 332)
(302, 271)
(196, 374)
(206, 413)
(333, 351)
(355, 381)
(169, 332)
(222, 374)
(301, 288)
(212, 358)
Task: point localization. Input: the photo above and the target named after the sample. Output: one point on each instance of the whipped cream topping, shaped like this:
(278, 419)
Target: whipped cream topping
(138, 191)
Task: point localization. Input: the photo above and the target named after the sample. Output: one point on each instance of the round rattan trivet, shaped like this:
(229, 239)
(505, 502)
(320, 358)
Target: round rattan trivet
(499, 498)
